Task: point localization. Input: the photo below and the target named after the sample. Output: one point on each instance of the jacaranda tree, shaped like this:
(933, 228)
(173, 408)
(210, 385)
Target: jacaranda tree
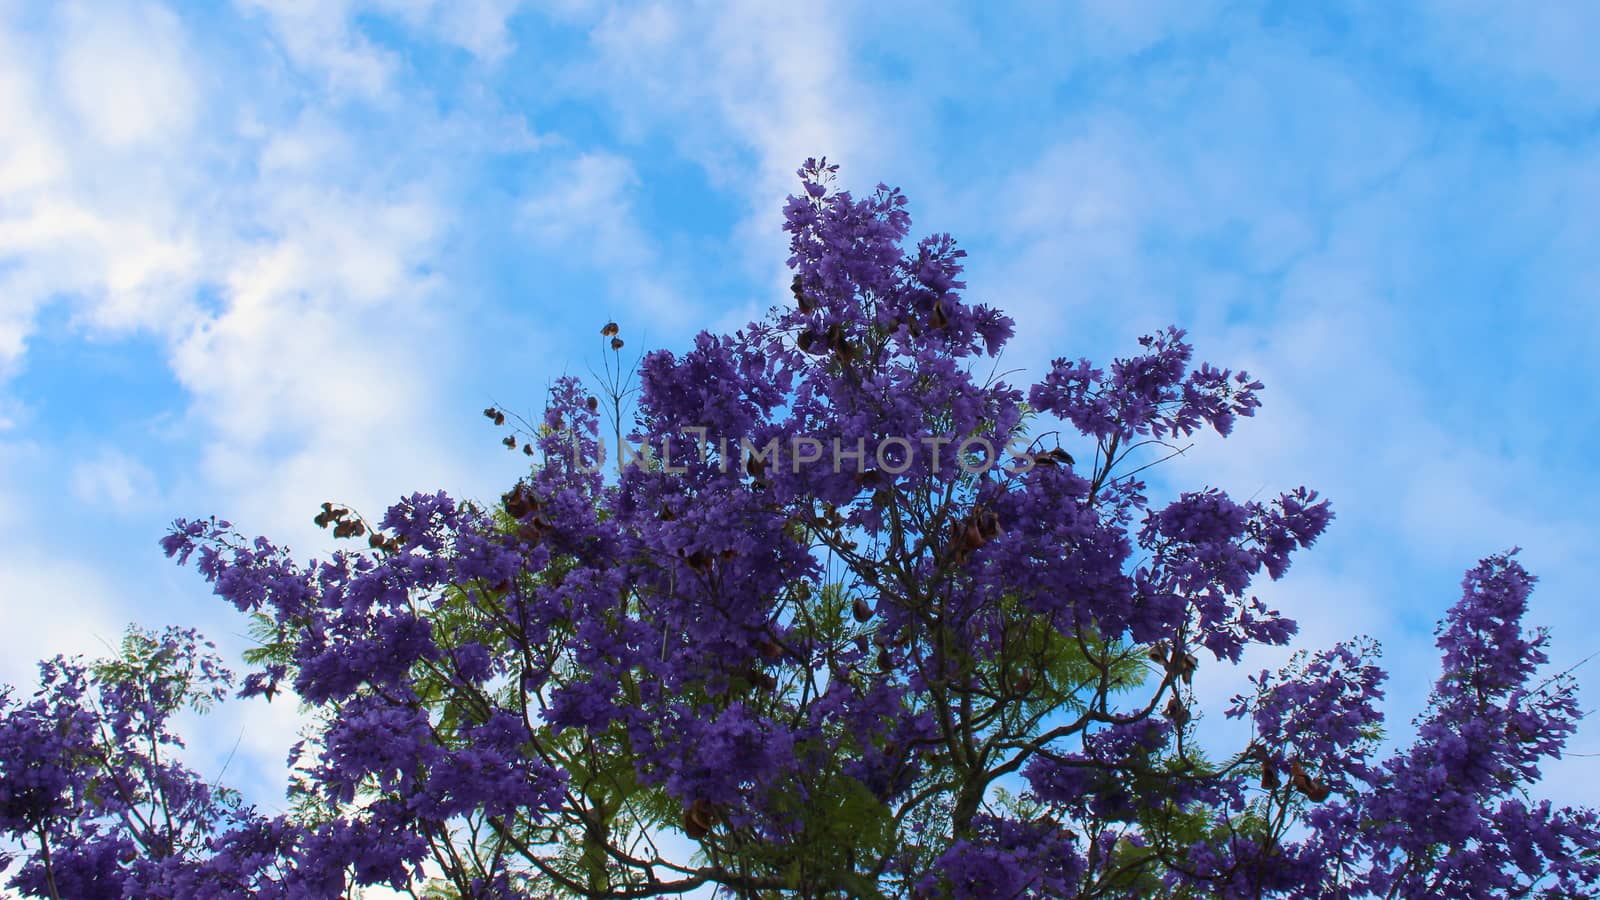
(861, 619)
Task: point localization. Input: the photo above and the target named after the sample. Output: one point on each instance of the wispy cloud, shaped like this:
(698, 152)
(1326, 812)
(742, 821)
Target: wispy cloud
(341, 224)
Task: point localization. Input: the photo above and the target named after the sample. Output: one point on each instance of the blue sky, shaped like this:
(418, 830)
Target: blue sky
(255, 256)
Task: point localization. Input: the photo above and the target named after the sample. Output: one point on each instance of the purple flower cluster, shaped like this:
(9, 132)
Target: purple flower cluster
(828, 681)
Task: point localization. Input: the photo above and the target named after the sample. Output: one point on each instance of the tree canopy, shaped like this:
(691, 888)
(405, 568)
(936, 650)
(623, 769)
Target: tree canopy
(862, 618)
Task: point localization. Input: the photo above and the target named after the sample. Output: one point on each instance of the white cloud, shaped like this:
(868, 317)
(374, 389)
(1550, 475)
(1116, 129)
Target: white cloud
(766, 85)
(325, 37)
(124, 76)
(585, 208)
(52, 604)
(319, 37)
(113, 480)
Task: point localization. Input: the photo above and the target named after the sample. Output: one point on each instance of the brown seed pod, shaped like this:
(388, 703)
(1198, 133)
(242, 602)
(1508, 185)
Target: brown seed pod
(1176, 711)
(699, 561)
(861, 610)
(532, 532)
(699, 818)
(972, 536)
(885, 661)
(510, 442)
(805, 303)
(988, 524)
(616, 343)
(835, 336)
(527, 449)
(666, 514)
(1314, 789)
(593, 403)
(770, 649)
(763, 680)
(609, 329)
(1269, 778)
(938, 319)
(1297, 774)
(518, 502)
(1021, 683)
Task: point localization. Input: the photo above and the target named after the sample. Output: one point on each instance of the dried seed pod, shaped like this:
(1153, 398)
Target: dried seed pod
(1182, 665)
(1177, 711)
(666, 514)
(861, 610)
(804, 301)
(609, 329)
(530, 533)
(972, 536)
(1269, 778)
(616, 343)
(885, 661)
(763, 680)
(770, 649)
(1297, 775)
(699, 561)
(988, 524)
(490, 413)
(510, 441)
(593, 403)
(938, 319)
(698, 819)
(835, 337)
(519, 504)
(1051, 458)
(1021, 682)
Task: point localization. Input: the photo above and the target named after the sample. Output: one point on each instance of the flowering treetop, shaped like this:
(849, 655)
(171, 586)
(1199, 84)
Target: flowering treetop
(849, 628)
